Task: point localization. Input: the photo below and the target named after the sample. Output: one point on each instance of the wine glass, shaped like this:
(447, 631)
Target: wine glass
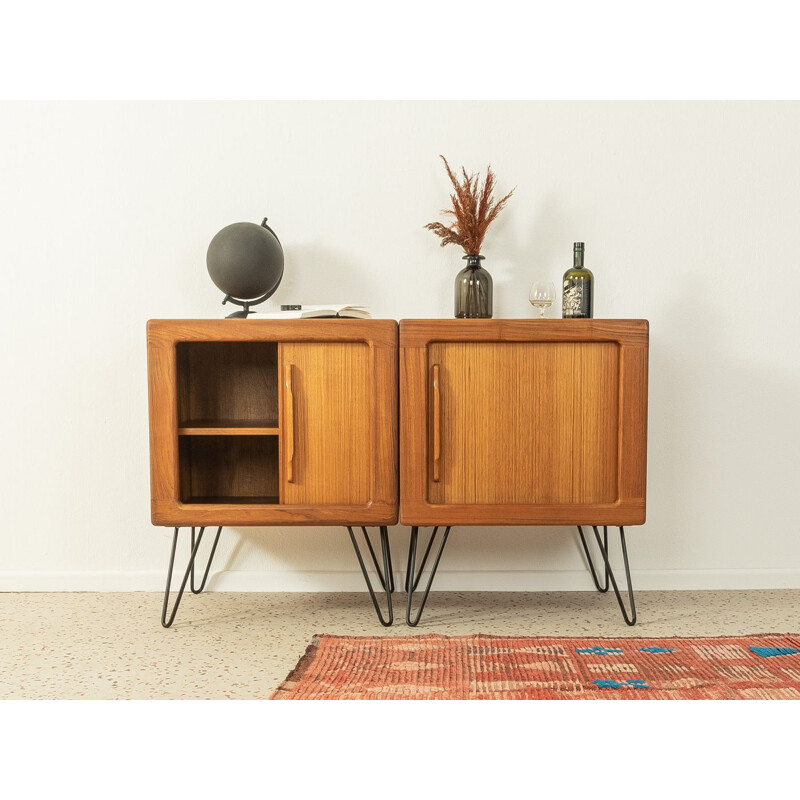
(542, 296)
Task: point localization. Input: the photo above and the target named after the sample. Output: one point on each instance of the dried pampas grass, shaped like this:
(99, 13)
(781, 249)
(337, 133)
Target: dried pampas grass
(474, 210)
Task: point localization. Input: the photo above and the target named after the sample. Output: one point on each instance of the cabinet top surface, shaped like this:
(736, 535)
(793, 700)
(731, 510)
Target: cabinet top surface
(382, 332)
(418, 332)
(413, 332)
(271, 321)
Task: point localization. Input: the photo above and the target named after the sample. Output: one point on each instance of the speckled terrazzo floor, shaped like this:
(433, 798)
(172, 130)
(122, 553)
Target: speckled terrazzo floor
(242, 645)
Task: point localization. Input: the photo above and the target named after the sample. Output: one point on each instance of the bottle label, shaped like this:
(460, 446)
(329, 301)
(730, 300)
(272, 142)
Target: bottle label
(576, 298)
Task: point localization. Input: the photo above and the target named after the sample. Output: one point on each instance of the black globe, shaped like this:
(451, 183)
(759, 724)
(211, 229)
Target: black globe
(245, 261)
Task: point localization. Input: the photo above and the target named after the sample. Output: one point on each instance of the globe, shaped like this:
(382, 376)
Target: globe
(245, 261)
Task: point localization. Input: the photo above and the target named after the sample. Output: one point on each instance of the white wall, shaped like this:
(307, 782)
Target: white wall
(690, 216)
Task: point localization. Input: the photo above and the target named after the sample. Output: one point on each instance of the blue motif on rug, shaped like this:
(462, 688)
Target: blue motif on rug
(657, 649)
(597, 651)
(630, 684)
(768, 652)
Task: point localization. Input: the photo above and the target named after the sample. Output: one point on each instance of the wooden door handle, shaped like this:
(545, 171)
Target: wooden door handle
(288, 428)
(437, 434)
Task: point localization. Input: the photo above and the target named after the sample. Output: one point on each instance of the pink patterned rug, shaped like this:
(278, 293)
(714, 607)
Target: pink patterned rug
(482, 667)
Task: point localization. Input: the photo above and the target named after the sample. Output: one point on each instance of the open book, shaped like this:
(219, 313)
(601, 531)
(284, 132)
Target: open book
(311, 312)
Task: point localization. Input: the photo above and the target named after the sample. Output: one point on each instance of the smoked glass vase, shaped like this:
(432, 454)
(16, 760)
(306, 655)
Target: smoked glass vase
(473, 291)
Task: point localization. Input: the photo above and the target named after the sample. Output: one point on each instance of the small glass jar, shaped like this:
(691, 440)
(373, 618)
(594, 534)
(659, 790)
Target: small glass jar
(473, 290)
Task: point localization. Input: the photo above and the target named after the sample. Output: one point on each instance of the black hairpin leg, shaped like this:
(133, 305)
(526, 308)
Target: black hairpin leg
(208, 565)
(603, 547)
(381, 577)
(602, 589)
(195, 546)
(412, 580)
(385, 576)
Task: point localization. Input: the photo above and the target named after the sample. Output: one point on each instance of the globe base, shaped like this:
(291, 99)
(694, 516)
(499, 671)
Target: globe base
(245, 304)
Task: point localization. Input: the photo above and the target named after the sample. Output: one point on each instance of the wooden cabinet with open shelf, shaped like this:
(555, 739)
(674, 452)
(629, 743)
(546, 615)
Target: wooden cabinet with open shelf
(500, 422)
(268, 422)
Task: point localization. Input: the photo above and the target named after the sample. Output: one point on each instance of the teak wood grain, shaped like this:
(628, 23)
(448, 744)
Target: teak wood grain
(327, 411)
(525, 423)
(538, 422)
(212, 408)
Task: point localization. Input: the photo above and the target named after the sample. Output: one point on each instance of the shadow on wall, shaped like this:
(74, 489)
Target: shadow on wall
(317, 275)
(302, 549)
(296, 550)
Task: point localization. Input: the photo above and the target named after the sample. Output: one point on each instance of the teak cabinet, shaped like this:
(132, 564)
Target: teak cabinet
(272, 422)
(523, 422)
(500, 422)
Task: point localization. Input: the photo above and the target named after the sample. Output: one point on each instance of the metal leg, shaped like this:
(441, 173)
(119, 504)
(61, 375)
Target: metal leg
(410, 569)
(600, 588)
(412, 580)
(208, 566)
(195, 546)
(381, 577)
(630, 620)
(384, 577)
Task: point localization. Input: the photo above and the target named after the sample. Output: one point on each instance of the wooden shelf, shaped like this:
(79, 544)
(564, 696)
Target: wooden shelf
(234, 500)
(228, 427)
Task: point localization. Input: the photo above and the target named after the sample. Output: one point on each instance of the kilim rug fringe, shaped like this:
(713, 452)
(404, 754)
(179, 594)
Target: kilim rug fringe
(483, 667)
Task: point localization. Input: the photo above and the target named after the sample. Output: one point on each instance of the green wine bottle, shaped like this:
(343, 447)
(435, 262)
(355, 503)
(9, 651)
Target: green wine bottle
(578, 281)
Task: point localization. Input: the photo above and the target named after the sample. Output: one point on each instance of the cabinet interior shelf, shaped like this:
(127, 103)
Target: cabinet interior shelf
(223, 500)
(228, 427)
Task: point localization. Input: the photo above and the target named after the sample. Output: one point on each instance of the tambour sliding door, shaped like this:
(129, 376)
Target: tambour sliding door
(327, 397)
(523, 421)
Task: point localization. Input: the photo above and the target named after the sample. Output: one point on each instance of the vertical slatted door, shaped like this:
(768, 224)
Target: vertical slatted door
(528, 423)
(326, 423)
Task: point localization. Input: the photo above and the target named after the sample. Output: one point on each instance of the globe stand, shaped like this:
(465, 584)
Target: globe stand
(245, 304)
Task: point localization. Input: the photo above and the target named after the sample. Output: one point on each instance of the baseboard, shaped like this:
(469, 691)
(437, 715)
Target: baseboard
(446, 580)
